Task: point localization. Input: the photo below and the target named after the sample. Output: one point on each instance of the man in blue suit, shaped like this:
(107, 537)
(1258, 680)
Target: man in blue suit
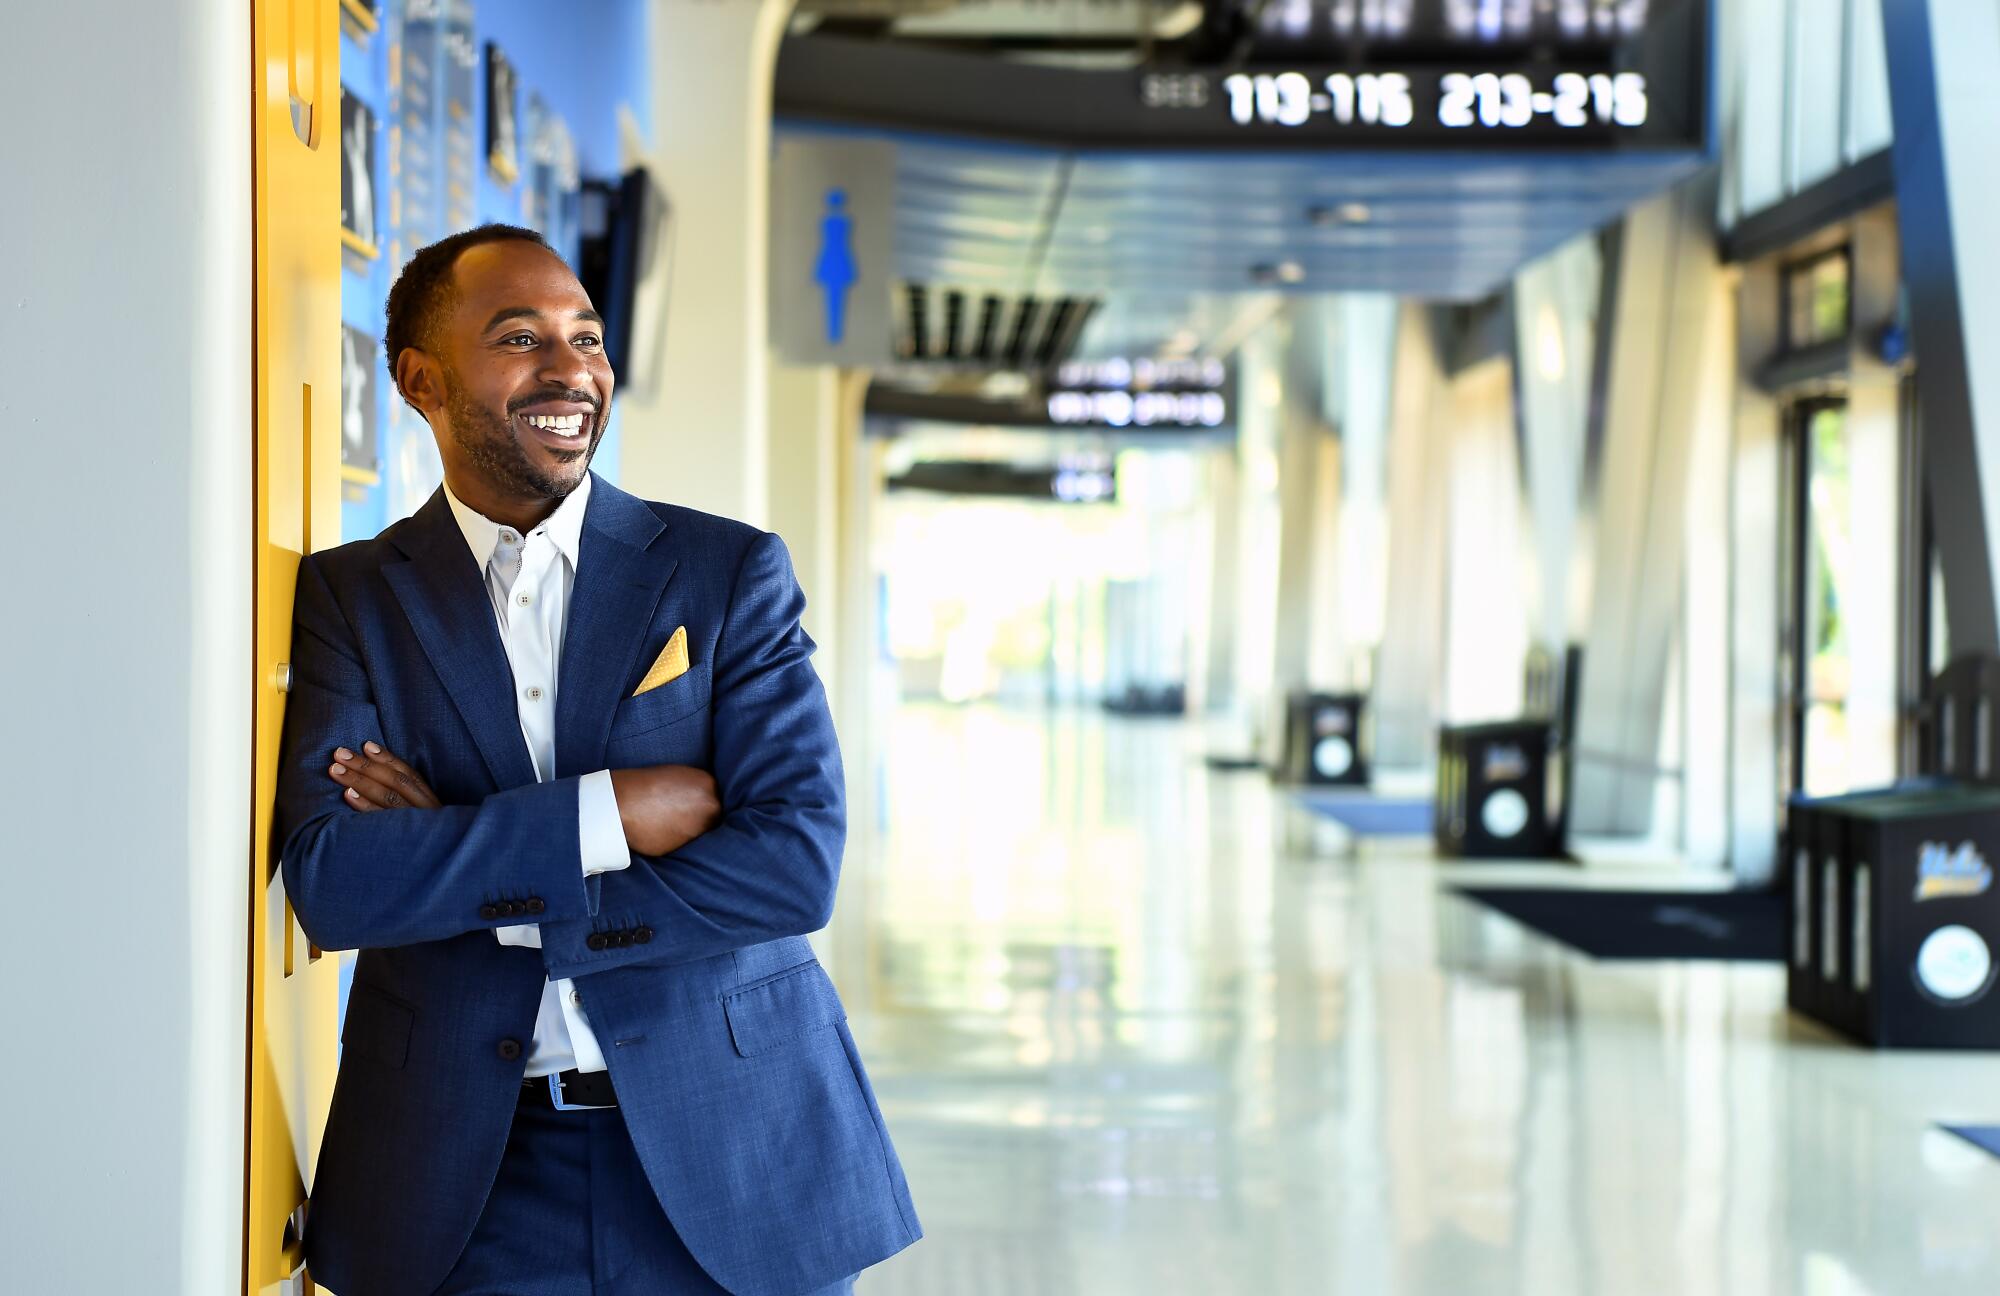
(556, 762)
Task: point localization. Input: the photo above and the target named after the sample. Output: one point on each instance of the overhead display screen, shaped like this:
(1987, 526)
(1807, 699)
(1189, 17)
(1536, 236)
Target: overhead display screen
(1460, 23)
(1469, 72)
(1470, 102)
(1289, 75)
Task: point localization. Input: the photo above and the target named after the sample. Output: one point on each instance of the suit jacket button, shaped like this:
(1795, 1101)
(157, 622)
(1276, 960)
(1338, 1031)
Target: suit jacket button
(534, 905)
(594, 941)
(489, 912)
(509, 1049)
(624, 938)
(643, 935)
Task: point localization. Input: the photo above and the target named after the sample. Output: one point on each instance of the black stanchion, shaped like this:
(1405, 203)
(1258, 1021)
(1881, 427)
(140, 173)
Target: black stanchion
(1502, 788)
(1324, 741)
(1493, 790)
(1894, 921)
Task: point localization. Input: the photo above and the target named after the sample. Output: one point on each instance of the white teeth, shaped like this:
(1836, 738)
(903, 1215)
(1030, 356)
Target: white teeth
(560, 424)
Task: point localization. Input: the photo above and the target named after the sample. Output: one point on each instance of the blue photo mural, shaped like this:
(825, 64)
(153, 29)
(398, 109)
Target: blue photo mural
(421, 86)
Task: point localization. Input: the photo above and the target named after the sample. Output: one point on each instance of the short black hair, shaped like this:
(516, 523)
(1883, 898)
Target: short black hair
(422, 292)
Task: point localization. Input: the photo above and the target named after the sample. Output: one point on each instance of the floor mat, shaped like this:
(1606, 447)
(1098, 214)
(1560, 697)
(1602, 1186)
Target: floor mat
(1746, 925)
(1368, 815)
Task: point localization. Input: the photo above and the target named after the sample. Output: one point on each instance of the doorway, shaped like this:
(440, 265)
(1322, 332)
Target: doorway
(1817, 577)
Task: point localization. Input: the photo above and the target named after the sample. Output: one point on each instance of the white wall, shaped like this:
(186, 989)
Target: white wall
(695, 425)
(125, 774)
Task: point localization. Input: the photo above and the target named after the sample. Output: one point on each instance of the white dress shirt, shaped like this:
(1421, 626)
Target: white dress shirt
(528, 580)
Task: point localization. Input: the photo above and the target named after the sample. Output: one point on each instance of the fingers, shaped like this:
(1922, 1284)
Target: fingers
(363, 788)
(405, 780)
(352, 784)
(379, 781)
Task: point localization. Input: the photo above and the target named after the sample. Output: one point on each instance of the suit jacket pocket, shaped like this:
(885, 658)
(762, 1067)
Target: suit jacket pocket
(378, 1026)
(772, 1013)
(656, 708)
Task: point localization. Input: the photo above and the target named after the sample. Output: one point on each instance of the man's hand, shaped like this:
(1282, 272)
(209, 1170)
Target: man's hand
(664, 807)
(377, 779)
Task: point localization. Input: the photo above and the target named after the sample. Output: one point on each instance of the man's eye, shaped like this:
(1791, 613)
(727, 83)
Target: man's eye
(590, 340)
(512, 339)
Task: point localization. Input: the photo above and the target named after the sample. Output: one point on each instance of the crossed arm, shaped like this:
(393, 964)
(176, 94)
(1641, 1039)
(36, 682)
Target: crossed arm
(661, 807)
(746, 855)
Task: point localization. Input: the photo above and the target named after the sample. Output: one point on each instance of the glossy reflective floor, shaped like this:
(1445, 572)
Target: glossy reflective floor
(1142, 1028)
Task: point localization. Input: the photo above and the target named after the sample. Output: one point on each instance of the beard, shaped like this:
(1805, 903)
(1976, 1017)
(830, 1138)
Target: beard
(486, 436)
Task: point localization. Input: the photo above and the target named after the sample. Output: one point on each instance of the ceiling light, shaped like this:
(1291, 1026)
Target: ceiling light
(1279, 272)
(1340, 214)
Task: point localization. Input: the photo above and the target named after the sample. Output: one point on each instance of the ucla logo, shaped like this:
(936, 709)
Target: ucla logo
(1942, 871)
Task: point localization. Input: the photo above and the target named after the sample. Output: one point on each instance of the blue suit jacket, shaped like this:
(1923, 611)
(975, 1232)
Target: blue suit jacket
(729, 1049)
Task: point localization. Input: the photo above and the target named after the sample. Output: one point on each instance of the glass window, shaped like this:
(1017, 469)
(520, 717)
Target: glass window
(1868, 123)
(1808, 93)
(1816, 300)
(1937, 635)
(1828, 577)
(1819, 69)
(1759, 144)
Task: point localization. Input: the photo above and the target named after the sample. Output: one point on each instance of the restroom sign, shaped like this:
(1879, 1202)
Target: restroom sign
(833, 247)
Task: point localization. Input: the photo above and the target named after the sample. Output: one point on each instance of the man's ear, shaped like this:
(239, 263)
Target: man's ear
(421, 380)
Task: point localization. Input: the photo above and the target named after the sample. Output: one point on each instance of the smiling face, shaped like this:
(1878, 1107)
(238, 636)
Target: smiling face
(514, 381)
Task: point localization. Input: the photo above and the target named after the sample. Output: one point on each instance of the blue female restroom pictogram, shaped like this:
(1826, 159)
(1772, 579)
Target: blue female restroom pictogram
(835, 271)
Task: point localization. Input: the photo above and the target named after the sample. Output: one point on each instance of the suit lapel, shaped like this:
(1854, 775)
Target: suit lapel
(444, 595)
(620, 578)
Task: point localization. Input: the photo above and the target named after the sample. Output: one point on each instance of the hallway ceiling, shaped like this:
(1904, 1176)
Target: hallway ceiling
(1028, 167)
(1452, 228)
(1161, 239)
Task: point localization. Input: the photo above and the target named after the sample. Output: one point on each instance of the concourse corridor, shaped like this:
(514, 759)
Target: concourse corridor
(1140, 1027)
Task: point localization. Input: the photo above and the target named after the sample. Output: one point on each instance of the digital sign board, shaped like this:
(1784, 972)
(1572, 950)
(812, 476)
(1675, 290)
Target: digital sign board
(1140, 393)
(1469, 72)
(1286, 75)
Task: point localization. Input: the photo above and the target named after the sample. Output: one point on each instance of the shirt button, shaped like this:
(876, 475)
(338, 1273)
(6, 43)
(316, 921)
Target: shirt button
(508, 537)
(525, 599)
(534, 694)
(576, 997)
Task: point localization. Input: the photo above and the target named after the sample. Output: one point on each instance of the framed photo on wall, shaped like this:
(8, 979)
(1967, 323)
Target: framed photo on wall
(360, 363)
(503, 123)
(357, 177)
(359, 18)
(551, 183)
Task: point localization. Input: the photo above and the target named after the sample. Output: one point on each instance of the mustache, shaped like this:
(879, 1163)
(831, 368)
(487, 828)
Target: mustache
(568, 394)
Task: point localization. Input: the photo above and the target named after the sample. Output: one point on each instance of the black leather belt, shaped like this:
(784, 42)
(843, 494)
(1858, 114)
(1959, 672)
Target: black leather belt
(569, 1091)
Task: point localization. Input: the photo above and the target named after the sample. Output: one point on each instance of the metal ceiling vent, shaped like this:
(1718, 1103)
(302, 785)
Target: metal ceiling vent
(975, 329)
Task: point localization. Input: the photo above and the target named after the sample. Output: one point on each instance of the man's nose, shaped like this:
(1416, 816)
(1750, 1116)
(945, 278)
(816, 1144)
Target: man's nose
(569, 366)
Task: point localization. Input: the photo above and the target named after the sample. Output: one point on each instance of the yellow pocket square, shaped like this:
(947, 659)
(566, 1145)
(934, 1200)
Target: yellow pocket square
(670, 665)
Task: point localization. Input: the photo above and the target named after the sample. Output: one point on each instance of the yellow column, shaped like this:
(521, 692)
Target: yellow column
(294, 989)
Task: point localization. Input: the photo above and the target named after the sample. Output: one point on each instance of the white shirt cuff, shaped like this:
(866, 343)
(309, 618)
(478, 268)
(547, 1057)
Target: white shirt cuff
(529, 935)
(600, 832)
(600, 842)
